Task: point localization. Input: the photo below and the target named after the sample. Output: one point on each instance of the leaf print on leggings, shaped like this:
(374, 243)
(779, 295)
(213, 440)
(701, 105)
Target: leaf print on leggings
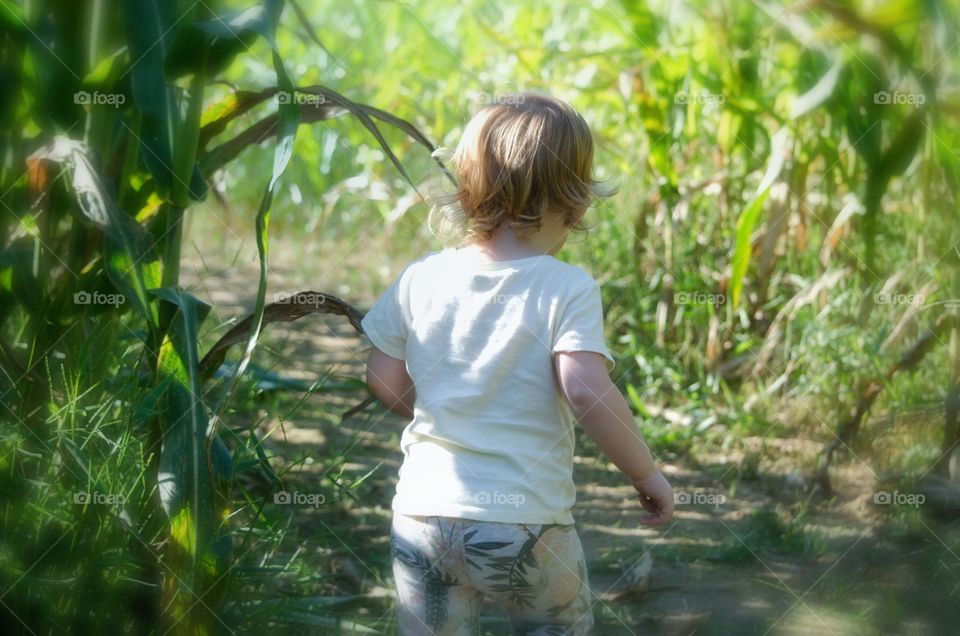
(445, 566)
(511, 569)
(436, 586)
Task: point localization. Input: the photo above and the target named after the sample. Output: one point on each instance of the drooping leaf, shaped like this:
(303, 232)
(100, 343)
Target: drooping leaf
(820, 92)
(130, 261)
(412, 131)
(260, 132)
(216, 117)
(360, 113)
(779, 146)
(301, 304)
(326, 104)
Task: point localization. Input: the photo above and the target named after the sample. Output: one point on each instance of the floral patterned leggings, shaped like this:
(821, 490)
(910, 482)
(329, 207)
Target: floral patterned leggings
(444, 567)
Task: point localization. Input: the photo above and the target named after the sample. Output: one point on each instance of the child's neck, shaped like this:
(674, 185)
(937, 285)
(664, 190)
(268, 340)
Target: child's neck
(505, 246)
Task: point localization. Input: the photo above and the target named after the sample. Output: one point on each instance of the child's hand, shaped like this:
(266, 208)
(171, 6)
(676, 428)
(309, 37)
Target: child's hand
(656, 497)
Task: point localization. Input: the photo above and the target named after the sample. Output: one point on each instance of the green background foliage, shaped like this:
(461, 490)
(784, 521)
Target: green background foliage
(780, 260)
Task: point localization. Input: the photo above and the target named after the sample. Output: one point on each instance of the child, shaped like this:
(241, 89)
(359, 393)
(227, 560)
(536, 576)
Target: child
(495, 349)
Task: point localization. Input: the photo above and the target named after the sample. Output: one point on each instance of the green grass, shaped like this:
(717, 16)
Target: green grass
(766, 532)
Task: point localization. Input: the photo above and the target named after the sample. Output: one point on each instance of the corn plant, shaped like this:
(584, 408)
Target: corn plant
(108, 142)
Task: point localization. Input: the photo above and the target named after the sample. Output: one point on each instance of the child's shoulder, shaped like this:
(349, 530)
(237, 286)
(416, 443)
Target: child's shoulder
(574, 273)
(566, 274)
(430, 260)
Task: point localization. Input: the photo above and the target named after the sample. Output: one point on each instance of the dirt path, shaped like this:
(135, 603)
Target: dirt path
(764, 560)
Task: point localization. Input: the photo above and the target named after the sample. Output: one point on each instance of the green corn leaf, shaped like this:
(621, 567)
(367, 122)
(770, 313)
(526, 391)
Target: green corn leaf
(288, 119)
(741, 252)
(217, 116)
(779, 145)
(194, 470)
(221, 38)
(149, 27)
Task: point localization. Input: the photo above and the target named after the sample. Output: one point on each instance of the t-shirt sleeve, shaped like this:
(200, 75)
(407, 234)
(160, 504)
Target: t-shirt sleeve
(580, 327)
(385, 324)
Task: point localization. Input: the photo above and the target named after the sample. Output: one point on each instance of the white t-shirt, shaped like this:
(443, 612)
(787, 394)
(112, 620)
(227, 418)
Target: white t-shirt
(492, 436)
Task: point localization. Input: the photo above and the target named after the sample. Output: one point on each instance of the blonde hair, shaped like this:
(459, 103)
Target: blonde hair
(519, 158)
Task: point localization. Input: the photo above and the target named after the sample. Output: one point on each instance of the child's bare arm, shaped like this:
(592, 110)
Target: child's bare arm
(389, 381)
(603, 413)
